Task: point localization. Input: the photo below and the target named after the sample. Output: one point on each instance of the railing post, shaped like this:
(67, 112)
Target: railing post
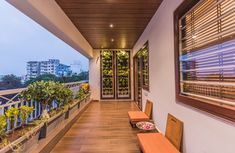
(31, 114)
(35, 109)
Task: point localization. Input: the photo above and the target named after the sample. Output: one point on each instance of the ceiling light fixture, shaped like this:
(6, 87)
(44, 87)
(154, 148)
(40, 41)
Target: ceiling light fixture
(111, 25)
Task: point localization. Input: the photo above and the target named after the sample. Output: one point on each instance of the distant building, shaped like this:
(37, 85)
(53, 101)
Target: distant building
(33, 69)
(63, 70)
(49, 67)
(52, 66)
(1, 76)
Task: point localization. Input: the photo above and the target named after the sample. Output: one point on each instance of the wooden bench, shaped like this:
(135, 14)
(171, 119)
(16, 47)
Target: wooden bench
(137, 116)
(155, 143)
(158, 143)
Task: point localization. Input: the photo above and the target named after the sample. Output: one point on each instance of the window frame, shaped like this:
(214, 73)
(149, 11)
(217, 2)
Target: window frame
(144, 86)
(218, 109)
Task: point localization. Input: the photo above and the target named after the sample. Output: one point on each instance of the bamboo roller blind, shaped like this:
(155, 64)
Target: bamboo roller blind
(207, 51)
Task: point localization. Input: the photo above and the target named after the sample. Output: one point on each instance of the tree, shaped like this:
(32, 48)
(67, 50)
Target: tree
(10, 82)
(64, 79)
(44, 77)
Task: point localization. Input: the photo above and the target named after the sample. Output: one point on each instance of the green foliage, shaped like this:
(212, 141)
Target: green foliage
(106, 54)
(108, 72)
(24, 113)
(3, 124)
(10, 82)
(47, 92)
(12, 115)
(83, 91)
(64, 94)
(40, 91)
(81, 94)
(44, 77)
(122, 55)
(65, 79)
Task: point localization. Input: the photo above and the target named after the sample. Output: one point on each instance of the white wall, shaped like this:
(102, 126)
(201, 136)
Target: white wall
(203, 133)
(94, 75)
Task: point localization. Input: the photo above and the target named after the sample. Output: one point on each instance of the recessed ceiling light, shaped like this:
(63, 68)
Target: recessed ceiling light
(111, 25)
(112, 40)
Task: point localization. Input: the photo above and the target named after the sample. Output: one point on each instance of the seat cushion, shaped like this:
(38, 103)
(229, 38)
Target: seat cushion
(137, 116)
(155, 143)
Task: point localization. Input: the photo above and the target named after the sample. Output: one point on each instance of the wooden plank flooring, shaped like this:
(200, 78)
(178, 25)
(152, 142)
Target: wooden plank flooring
(103, 128)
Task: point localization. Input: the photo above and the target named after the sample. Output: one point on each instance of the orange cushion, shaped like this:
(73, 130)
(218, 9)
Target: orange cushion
(155, 143)
(137, 116)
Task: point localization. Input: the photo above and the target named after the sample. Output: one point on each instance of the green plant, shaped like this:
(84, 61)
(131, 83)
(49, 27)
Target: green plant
(3, 124)
(122, 55)
(106, 54)
(24, 113)
(46, 93)
(81, 94)
(64, 95)
(12, 115)
(85, 87)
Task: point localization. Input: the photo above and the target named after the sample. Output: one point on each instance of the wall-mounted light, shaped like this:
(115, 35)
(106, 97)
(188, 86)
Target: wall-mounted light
(194, 36)
(112, 40)
(97, 59)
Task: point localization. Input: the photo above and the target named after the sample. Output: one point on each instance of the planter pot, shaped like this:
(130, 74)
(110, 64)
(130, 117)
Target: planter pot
(51, 124)
(79, 103)
(66, 115)
(54, 121)
(88, 98)
(73, 108)
(82, 102)
(24, 144)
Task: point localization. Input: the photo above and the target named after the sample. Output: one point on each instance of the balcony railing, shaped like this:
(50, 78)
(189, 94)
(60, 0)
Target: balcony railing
(10, 98)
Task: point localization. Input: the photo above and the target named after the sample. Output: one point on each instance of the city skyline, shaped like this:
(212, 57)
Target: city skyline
(28, 41)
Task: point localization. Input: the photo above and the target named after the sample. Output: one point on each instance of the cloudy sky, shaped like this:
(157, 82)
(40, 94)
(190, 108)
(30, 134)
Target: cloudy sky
(22, 40)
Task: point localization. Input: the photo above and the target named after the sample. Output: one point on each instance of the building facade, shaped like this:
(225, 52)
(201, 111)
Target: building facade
(52, 66)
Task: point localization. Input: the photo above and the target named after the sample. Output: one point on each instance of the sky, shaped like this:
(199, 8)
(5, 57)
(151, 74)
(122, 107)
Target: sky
(23, 40)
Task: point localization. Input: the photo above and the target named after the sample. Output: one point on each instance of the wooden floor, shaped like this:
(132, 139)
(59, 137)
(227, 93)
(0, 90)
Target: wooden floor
(102, 128)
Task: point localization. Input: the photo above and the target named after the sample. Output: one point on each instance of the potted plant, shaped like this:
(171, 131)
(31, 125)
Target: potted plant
(24, 114)
(85, 87)
(42, 92)
(24, 134)
(12, 116)
(47, 92)
(3, 125)
(80, 96)
(64, 98)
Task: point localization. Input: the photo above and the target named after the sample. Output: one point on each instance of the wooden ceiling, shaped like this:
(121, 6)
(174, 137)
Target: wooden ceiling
(93, 19)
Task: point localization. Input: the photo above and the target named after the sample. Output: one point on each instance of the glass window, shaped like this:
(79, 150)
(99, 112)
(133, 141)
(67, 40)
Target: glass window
(205, 61)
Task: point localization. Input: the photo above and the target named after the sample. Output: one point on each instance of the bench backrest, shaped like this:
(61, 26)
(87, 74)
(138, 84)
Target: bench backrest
(148, 109)
(174, 131)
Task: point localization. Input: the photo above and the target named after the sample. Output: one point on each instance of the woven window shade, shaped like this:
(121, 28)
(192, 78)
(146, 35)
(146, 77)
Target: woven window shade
(207, 51)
